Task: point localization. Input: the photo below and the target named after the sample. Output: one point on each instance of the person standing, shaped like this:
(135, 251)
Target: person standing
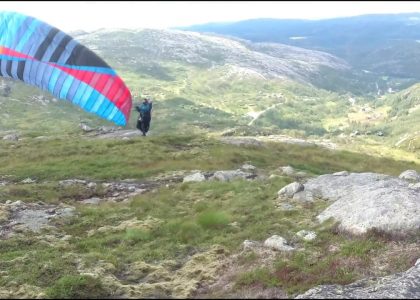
(145, 110)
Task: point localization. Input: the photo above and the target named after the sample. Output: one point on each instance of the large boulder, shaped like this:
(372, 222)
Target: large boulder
(361, 201)
(404, 285)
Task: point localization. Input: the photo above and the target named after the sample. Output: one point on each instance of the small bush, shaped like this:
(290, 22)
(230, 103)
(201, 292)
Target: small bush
(77, 287)
(189, 231)
(359, 248)
(260, 276)
(213, 219)
(137, 235)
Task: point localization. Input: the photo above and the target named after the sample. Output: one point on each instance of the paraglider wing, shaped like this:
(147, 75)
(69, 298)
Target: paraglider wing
(46, 57)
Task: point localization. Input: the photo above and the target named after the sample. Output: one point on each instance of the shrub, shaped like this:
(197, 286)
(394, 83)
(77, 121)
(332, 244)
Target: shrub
(77, 287)
(213, 219)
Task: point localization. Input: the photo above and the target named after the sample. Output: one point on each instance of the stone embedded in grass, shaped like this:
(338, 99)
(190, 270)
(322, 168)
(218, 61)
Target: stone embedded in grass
(291, 189)
(287, 170)
(230, 175)
(92, 185)
(11, 137)
(93, 200)
(250, 245)
(241, 141)
(248, 167)
(28, 180)
(277, 243)
(196, 177)
(306, 235)
(68, 182)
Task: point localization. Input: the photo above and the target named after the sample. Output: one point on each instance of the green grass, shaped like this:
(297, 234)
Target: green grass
(192, 216)
(77, 287)
(142, 158)
(315, 264)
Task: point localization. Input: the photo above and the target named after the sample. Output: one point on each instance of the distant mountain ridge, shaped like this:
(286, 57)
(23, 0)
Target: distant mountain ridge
(385, 43)
(271, 60)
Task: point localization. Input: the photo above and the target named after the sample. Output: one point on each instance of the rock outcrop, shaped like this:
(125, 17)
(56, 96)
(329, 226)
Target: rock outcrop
(361, 201)
(405, 285)
(19, 216)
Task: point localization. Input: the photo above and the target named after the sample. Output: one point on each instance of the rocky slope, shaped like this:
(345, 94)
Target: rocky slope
(404, 285)
(259, 60)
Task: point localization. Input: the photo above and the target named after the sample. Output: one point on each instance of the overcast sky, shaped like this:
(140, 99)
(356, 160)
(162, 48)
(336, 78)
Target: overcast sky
(90, 15)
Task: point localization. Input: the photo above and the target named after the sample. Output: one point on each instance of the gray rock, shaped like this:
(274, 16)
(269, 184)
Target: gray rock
(410, 175)
(415, 186)
(91, 185)
(250, 245)
(362, 201)
(277, 243)
(291, 189)
(230, 175)
(306, 235)
(11, 137)
(304, 196)
(85, 127)
(301, 174)
(68, 182)
(66, 212)
(196, 177)
(94, 201)
(248, 167)
(287, 170)
(241, 141)
(28, 180)
(17, 203)
(404, 285)
(32, 219)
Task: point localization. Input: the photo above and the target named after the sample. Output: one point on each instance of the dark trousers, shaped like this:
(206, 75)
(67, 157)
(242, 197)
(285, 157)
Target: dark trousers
(144, 124)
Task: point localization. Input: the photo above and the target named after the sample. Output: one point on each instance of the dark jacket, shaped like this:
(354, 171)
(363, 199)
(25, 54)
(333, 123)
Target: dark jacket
(145, 109)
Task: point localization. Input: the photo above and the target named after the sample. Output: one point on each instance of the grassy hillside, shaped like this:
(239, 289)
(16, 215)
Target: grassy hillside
(207, 84)
(184, 218)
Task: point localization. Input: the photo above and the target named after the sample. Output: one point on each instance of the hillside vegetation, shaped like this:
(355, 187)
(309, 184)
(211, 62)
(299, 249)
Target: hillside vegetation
(167, 236)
